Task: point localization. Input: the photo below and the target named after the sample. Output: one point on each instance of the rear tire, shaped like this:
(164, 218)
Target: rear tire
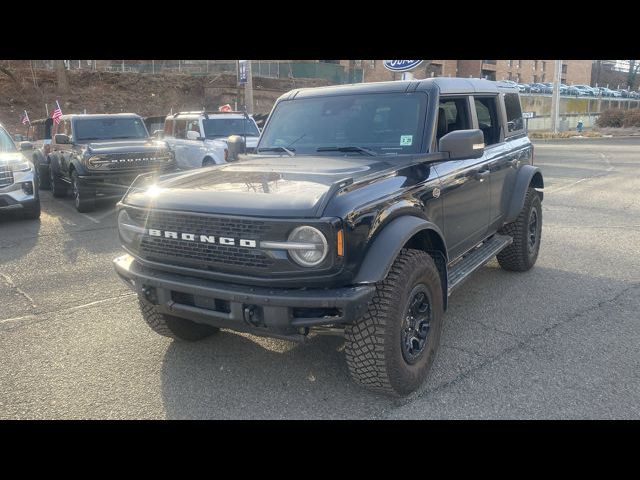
(391, 348)
(174, 327)
(208, 161)
(58, 187)
(45, 180)
(526, 231)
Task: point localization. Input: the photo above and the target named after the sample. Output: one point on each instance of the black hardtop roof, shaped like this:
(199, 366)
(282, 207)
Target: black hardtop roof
(99, 115)
(446, 85)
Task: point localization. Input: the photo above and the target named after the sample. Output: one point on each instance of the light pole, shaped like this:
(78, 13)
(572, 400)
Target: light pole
(555, 98)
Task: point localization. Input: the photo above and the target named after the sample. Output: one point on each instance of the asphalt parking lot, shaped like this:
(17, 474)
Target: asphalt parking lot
(560, 341)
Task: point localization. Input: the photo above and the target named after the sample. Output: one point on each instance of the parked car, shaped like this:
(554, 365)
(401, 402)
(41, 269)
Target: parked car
(539, 88)
(199, 139)
(524, 88)
(364, 208)
(95, 155)
(18, 178)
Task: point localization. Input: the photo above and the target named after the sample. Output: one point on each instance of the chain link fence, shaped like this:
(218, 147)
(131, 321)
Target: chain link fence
(333, 72)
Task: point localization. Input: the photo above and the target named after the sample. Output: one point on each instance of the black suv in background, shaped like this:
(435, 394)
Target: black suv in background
(103, 154)
(365, 207)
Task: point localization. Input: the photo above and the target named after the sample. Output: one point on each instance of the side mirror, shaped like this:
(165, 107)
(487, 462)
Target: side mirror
(235, 146)
(158, 134)
(26, 146)
(191, 135)
(62, 139)
(463, 144)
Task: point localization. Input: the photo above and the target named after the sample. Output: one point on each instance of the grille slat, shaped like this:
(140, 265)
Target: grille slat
(6, 176)
(203, 256)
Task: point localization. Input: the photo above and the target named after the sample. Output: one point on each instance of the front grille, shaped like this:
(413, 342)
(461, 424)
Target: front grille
(6, 176)
(203, 256)
(122, 161)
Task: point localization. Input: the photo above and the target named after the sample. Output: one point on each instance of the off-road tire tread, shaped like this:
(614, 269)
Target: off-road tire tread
(516, 257)
(365, 337)
(161, 323)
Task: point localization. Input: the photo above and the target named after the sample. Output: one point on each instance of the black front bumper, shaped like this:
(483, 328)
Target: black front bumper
(114, 183)
(266, 311)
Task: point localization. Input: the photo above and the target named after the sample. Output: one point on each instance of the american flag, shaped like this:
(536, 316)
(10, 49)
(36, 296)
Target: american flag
(25, 119)
(225, 108)
(56, 114)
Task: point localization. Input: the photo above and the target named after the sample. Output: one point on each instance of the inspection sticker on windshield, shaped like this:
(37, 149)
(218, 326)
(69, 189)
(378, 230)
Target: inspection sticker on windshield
(406, 139)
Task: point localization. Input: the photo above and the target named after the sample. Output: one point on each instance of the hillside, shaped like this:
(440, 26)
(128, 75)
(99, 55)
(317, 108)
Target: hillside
(145, 94)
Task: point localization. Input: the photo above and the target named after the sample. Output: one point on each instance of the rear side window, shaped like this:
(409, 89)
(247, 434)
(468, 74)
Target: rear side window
(515, 123)
(487, 115)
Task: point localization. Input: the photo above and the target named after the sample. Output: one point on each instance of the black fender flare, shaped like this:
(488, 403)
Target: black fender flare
(527, 175)
(387, 245)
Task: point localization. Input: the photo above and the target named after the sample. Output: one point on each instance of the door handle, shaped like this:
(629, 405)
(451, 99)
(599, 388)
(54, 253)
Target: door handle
(481, 174)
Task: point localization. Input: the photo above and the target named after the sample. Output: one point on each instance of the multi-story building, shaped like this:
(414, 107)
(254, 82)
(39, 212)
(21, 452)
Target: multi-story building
(526, 71)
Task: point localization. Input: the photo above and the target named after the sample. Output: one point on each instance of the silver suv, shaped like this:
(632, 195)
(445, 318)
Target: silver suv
(199, 139)
(18, 178)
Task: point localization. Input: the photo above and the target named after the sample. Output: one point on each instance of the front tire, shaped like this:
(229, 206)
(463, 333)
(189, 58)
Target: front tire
(391, 348)
(526, 231)
(84, 199)
(174, 327)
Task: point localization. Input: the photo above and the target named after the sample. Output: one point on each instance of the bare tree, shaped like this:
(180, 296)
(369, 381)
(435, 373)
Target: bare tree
(61, 73)
(633, 71)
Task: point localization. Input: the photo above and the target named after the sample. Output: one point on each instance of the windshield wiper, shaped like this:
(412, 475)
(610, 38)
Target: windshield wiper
(352, 148)
(276, 149)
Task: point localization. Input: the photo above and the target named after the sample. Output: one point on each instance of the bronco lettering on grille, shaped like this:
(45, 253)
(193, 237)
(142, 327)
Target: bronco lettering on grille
(192, 237)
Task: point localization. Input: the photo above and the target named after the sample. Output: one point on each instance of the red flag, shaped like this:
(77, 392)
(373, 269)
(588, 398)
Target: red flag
(225, 108)
(56, 114)
(25, 119)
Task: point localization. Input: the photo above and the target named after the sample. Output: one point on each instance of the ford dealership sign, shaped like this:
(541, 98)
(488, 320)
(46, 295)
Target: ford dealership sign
(401, 65)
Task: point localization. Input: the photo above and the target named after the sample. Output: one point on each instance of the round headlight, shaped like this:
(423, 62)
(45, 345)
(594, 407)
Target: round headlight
(310, 246)
(130, 233)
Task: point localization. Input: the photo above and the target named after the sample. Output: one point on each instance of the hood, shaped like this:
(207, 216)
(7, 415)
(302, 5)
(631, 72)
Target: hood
(126, 146)
(267, 186)
(6, 157)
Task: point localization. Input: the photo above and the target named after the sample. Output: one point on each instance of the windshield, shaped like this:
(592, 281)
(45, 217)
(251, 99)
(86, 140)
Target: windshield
(223, 127)
(6, 144)
(382, 123)
(109, 128)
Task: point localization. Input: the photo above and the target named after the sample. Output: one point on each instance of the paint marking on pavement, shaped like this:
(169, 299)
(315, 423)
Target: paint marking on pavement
(11, 323)
(573, 184)
(12, 285)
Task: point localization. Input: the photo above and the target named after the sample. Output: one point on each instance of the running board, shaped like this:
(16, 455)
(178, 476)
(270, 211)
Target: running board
(473, 260)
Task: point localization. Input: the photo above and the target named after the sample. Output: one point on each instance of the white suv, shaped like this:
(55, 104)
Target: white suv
(200, 138)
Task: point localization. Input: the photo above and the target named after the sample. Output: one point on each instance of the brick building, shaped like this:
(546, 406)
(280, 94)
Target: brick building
(526, 71)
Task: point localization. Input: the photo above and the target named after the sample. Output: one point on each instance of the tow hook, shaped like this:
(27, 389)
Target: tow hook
(150, 294)
(252, 315)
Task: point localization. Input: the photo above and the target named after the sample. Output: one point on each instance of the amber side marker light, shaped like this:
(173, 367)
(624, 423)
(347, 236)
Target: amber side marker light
(340, 243)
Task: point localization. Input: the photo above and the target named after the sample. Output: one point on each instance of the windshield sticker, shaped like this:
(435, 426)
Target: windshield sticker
(406, 139)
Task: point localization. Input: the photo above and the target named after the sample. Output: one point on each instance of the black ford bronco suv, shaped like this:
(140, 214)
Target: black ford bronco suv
(103, 154)
(364, 207)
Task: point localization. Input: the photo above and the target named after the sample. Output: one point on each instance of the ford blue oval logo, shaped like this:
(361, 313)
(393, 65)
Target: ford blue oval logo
(401, 65)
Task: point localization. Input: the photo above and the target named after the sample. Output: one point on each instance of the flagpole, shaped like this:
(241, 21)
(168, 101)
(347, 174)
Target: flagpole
(46, 108)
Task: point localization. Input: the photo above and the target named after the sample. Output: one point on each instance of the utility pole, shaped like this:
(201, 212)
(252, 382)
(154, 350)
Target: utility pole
(555, 98)
(248, 92)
